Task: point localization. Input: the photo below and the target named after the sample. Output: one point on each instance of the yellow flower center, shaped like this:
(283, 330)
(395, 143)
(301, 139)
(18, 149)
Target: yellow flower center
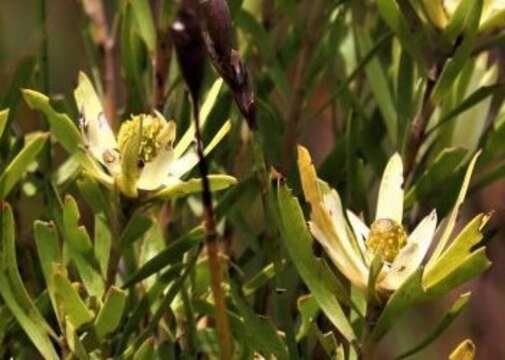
(152, 135)
(386, 238)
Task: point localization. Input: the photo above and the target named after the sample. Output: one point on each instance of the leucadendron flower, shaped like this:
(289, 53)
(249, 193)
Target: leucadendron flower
(441, 13)
(144, 158)
(353, 246)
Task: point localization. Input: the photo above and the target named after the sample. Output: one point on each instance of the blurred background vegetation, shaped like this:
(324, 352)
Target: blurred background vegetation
(301, 53)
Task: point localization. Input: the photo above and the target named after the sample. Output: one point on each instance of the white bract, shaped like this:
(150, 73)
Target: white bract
(352, 245)
(143, 156)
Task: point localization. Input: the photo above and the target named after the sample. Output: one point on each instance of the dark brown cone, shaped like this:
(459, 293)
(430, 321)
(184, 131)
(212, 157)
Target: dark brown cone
(189, 46)
(217, 26)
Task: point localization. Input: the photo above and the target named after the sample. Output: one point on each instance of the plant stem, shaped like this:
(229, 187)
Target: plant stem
(106, 43)
(161, 61)
(213, 248)
(418, 127)
(297, 99)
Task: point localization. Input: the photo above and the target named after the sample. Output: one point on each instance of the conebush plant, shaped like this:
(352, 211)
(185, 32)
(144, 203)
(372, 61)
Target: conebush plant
(173, 212)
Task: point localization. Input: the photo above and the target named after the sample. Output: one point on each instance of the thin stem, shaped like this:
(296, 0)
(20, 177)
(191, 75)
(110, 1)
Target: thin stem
(213, 248)
(417, 132)
(161, 62)
(106, 43)
(299, 88)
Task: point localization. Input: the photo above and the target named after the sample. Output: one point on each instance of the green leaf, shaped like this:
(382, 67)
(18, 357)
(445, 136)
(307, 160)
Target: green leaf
(146, 350)
(184, 188)
(298, 243)
(36, 333)
(103, 243)
(65, 131)
(451, 221)
(473, 99)
(81, 249)
(439, 171)
(261, 278)
(379, 85)
(137, 226)
(392, 15)
(209, 102)
(145, 24)
(70, 302)
(309, 310)
(17, 167)
(170, 256)
(454, 65)
(10, 267)
(457, 307)
(4, 116)
(459, 251)
(21, 78)
(409, 294)
(110, 314)
(61, 125)
(74, 342)
(48, 249)
(265, 336)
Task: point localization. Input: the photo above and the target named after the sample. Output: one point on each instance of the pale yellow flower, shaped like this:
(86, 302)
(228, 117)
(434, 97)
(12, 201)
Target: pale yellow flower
(352, 245)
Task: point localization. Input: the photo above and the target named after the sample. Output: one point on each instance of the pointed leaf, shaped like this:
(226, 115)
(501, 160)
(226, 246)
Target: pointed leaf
(216, 182)
(110, 314)
(298, 243)
(17, 167)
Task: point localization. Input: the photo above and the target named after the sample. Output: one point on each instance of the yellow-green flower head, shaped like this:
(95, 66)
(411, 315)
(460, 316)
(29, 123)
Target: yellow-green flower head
(143, 157)
(352, 245)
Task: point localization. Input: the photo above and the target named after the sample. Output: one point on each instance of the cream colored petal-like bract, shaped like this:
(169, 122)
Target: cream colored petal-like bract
(155, 171)
(412, 254)
(357, 278)
(361, 231)
(333, 206)
(390, 200)
(97, 133)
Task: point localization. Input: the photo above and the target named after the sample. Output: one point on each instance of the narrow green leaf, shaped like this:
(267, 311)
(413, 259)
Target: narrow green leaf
(110, 314)
(170, 256)
(21, 78)
(439, 171)
(308, 309)
(81, 249)
(65, 131)
(451, 221)
(146, 350)
(472, 100)
(379, 85)
(71, 303)
(74, 342)
(298, 243)
(137, 226)
(4, 116)
(266, 338)
(48, 249)
(261, 278)
(36, 333)
(454, 65)
(103, 243)
(145, 23)
(459, 251)
(457, 307)
(184, 188)
(10, 266)
(17, 167)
